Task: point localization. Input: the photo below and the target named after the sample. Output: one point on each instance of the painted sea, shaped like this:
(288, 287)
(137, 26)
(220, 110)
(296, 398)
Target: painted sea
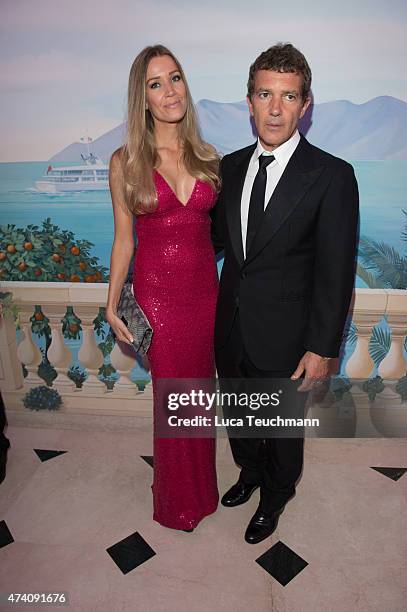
(382, 186)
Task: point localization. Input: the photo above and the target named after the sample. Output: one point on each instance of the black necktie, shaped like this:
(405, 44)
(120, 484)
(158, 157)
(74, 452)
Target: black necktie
(256, 205)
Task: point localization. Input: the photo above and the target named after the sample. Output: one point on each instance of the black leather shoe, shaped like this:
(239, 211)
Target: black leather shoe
(261, 526)
(238, 494)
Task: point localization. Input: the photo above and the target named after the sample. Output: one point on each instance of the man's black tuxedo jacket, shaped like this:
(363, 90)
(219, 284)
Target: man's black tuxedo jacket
(293, 290)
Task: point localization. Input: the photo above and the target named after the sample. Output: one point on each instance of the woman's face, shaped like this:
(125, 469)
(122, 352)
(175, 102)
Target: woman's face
(165, 90)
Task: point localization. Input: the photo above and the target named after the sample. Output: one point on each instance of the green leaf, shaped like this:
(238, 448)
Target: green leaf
(401, 387)
(372, 387)
(379, 344)
(390, 267)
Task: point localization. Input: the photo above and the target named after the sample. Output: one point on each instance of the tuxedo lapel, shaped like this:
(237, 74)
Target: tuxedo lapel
(233, 204)
(297, 178)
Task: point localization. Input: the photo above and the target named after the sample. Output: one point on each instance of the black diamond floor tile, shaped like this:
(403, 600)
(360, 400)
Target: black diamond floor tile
(282, 563)
(5, 534)
(44, 455)
(130, 552)
(391, 472)
(148, 459)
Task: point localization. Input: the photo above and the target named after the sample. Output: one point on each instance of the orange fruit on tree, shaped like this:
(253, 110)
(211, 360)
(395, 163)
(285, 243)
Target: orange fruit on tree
(11, 248)
(74, 278)
(56, 257)
(75, 250)
(22, 266)
(28, 246)
(62, 248)
(83, 265)
(3, 255)
(98, 275)
(38, 272)
(61, 276)
(89, 278)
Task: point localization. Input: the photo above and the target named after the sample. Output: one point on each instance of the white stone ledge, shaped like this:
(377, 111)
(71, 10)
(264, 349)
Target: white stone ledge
(57, 293)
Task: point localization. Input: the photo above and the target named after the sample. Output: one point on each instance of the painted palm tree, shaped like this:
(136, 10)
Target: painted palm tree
(381, 265)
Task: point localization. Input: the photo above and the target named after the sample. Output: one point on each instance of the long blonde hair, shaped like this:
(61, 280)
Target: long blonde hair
(139, 155)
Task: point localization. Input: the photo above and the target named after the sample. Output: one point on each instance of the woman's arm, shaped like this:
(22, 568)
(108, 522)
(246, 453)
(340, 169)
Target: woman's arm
(122, 250)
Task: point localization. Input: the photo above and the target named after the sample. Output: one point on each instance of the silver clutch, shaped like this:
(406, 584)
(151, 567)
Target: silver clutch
(135, 320)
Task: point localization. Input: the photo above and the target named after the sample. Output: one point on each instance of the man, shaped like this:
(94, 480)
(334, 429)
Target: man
(287, 219)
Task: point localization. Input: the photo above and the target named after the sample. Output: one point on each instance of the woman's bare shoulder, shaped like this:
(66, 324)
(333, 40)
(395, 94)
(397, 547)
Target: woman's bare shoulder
(117, 157)
(116, 164)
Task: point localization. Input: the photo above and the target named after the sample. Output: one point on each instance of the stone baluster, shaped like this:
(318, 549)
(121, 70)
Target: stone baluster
(123, 359)
(28, 352)
(369, 307)
(394, 366)
(11, 373)
(59, 354)
(360, 365)
(90, 354)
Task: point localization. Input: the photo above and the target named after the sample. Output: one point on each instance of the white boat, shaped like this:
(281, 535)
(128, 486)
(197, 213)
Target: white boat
(92, 175)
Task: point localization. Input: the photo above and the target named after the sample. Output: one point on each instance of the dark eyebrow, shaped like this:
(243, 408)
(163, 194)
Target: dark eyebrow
(157, 78)
(290, 91)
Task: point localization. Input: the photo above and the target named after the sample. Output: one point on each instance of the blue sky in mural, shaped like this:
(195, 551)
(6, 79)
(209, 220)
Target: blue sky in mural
(65, 65)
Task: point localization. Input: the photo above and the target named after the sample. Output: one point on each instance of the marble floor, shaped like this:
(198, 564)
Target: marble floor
(75, 516)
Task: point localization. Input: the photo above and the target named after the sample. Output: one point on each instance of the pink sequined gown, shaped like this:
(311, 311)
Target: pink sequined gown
(176, 284)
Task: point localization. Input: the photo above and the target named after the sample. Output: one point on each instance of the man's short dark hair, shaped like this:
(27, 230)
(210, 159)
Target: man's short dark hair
(282, 57)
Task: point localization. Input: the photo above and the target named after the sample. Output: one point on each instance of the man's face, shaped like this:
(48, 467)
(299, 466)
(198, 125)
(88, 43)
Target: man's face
(276, 106)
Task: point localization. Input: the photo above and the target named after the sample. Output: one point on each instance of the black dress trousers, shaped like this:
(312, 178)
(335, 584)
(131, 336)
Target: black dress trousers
(274, 463)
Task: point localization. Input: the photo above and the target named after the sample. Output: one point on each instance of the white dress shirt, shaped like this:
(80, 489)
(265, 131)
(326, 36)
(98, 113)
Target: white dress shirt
(274, 170)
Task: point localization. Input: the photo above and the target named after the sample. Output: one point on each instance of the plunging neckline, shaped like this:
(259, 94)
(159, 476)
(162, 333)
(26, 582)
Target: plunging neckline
(173, 192)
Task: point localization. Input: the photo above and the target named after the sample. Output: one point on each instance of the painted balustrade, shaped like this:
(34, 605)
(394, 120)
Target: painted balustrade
(90, 355)
(86, 299)
(28, 352)
(370, 306)
(125, 398)
(394, 366)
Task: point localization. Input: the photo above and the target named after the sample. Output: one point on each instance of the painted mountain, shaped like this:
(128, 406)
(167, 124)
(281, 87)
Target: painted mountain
(375, 130)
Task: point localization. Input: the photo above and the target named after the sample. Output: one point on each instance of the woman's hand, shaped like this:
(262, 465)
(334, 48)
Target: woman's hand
(119, 329)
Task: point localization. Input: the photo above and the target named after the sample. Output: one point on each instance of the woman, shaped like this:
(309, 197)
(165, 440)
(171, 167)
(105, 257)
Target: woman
(167, 176)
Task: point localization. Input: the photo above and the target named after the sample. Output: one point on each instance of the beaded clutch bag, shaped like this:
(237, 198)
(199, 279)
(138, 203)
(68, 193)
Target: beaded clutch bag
(135, 320)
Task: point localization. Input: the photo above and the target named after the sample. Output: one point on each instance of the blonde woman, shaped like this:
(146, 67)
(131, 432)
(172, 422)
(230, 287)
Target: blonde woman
(167, 177)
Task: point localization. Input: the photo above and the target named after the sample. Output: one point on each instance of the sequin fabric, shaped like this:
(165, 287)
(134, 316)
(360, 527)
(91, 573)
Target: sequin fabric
(176, 284)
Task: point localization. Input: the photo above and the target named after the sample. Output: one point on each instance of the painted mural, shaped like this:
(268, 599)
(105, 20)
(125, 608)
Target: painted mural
(63, 94)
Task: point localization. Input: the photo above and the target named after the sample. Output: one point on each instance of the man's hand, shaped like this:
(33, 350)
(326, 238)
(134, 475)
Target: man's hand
(316, 370)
